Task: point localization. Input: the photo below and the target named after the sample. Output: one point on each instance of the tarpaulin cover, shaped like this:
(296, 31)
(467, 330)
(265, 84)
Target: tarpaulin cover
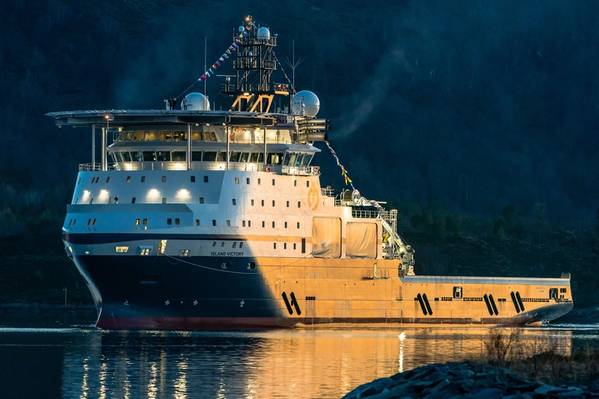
(326, 237)
(361, 240)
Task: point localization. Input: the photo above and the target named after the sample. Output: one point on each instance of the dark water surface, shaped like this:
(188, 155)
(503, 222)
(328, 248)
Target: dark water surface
(79, 363)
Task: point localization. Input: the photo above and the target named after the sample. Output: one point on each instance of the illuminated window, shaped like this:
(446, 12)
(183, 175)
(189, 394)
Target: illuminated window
(137, 222)
(145, 251)
(121, 249)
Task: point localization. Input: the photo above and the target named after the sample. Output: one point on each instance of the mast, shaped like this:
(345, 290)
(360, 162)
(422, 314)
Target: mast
(254, 63)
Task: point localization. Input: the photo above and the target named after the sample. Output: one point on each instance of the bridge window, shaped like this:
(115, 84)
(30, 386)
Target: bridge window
(179, 156)
(149, 156)
(163, 156)
(126, 156)
(244, 157)
(234, 157)
(209, 156)
(196, 156)
(221, 156)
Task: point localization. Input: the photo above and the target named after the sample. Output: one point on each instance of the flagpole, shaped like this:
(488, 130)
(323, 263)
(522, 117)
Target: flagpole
(205, 61)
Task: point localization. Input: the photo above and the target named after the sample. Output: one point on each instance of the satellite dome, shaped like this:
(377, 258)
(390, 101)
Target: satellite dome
(195, 102)
(263, 33)
(305, 103)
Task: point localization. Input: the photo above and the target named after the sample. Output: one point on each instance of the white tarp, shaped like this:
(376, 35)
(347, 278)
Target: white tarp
(361, 240)
(326, 237)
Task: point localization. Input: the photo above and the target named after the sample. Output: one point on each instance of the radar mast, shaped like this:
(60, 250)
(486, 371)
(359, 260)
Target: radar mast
(254, 63)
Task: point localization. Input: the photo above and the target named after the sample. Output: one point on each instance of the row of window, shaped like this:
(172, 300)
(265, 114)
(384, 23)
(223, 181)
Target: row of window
(204, 156)
(192, 179)
(147, 250)
(177, 222)
(142, 179)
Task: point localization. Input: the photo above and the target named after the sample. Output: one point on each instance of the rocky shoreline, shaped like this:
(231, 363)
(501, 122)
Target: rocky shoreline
(467, 379)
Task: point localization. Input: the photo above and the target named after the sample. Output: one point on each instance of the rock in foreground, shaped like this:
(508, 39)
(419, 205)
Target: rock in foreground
(465, 379)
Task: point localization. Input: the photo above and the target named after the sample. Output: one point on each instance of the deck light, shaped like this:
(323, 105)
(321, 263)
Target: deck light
(85, 196)
(183, 194)
(103, 197)
(153, 195)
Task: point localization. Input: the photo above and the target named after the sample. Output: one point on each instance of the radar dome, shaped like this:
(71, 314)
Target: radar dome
(195, 102)
(263, 33)
(305, 103)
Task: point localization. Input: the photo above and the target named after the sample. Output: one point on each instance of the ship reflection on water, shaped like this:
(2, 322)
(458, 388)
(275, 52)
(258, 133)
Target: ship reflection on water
(291, 363)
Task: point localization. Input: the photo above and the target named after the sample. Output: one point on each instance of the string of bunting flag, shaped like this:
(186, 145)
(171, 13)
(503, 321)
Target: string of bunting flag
(346, 179)
(225, 56)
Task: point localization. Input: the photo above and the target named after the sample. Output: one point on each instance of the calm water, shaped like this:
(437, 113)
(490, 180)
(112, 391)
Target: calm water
(74, 363)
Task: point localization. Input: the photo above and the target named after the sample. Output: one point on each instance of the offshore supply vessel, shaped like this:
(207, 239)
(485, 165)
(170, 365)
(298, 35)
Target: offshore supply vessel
(196, 218)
